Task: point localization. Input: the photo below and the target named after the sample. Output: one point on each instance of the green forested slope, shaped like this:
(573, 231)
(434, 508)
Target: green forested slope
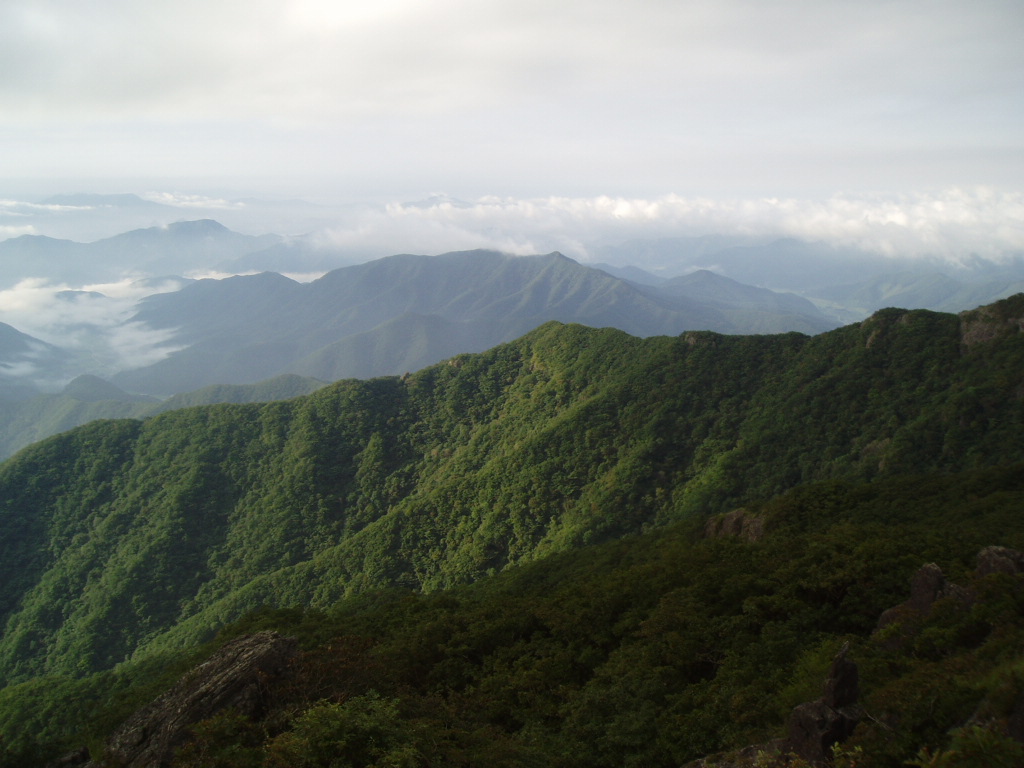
(648, 651)
(123, 534)
(87, 398)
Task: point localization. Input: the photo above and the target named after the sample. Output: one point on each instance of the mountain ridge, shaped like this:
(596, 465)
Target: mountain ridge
(501, 296)
(565, 436)
(525, 541)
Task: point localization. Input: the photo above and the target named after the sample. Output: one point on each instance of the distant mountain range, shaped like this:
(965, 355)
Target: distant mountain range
(387, 316)
(847, 284)
(838, 279)
(404, 312)
(174, 249)
(789, 264)
(922, 290)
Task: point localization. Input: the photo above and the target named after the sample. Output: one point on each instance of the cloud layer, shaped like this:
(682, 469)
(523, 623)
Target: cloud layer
(91, 321)
(953, 225)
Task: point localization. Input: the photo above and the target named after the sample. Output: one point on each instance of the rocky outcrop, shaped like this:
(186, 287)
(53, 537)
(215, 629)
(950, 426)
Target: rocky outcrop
(816, 726)
(929, 585)
(738, 523)
(986, 324)
(813, 728)
(236, 677)
(999, 560)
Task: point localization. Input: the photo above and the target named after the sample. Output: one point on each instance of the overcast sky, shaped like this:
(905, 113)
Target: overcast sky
(392, 98)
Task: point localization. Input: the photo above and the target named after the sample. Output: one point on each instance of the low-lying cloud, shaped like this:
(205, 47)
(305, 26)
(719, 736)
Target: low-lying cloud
(7, 231)
(953, 224)
(93, 321)
(180, 200)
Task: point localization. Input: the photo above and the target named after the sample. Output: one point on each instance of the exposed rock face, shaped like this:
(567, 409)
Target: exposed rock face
(982, 325)
(927, 586)
(235, 677)
(999, 560)
(739, 523)
(814, 727)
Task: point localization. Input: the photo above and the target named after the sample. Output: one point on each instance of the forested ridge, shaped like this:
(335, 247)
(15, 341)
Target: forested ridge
(88, 398)
(128, 540)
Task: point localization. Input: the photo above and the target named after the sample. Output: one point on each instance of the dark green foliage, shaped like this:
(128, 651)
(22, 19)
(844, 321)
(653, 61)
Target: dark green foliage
(656, 649)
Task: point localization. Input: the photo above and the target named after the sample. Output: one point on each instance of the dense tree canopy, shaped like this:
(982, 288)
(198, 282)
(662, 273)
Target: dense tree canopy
(130, 541)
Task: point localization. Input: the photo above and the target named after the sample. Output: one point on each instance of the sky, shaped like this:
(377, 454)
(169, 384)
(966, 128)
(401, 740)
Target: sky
(892, 126)
(394, 99)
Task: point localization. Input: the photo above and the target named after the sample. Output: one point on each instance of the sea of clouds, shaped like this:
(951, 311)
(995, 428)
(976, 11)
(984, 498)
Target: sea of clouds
(956, 225)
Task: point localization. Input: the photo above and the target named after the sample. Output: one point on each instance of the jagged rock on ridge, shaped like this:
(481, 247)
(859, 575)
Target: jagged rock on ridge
(927, 586)
(816, 726)
(235, 677)
(999, 560)
(739, 523)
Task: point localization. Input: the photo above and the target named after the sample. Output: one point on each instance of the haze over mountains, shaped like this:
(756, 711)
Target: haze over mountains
(404, 312)
(129, 308)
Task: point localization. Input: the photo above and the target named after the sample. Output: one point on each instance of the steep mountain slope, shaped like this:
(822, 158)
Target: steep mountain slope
(404, 312)
(123, 533)
(648, 651)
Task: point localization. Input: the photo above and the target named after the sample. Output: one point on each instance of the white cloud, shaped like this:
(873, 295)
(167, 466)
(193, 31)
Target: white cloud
(7, 231)
(129, 290)
(134, 345)
(213, 274)
(91, 320)
(313, 60)
(180, 200)
(23, 369)
(23, 208)
(952, 224)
